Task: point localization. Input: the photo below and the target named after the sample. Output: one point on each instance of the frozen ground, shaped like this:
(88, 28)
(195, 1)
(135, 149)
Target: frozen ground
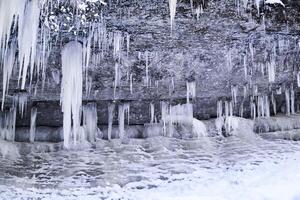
(238, 167)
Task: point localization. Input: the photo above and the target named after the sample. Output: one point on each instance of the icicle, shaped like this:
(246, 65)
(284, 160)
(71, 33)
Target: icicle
(22, 99)
(267, 106)
(273, 100)
(71, 90)
(117, 78)
(234, 90)
(32, 124)
(172, 6)
(131, 84)
(117, 45)
(173, 84)
(8, 124)
(87, 48)
(122, 109)
(292, 100)
(255, 90)
(228, 116)
(219, 108)
(7, 72)
(164, 114)
(199, 11)
(252, 108)
(251, 51)
(128, 43)
(298, 79)
(242, 109)
(271, 71)
(147, 69)
(257, 2)
(11, 17)
(190, 90)
(287, 102)
(245, 91)
(111, 109)
(90, 119)
(151, 113)
(88, 86)
(27, 39)
(245, 67)
(228, 57)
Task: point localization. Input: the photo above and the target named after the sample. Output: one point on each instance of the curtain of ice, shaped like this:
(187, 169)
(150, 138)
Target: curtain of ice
(27, 39)
(71, 90)
(11, 15)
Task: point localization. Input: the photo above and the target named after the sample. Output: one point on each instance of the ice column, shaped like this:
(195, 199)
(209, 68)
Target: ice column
(273, 100)
(90, 119)
(271, 71)
(288, 102)
(111, 109)
(190, 90)
(234, 90)
(8, 124)
(122, 109)
(292, 100)
(151, 113)
(32, 124)
(71, 90)
(172, 6)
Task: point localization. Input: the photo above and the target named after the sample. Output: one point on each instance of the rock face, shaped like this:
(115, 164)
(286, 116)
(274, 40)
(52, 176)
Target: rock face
(217, 44)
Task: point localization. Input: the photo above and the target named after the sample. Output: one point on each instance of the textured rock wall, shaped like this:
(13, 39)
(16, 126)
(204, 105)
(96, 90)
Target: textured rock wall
(209, 50)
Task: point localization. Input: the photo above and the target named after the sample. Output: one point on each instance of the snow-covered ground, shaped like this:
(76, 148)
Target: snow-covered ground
(238, 167)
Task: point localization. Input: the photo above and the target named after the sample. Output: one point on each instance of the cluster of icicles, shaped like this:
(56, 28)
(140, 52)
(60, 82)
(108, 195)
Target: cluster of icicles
(261, 105)
(80, 122)
(197, 8)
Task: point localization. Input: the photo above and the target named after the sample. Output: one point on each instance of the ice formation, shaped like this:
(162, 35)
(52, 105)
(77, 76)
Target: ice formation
(172, 7)
(274, 2)
(271, 71)
(190, 90)
(289, 101)
(224, 117)
(8, 124)
(228, 58)
(147, 69)
(298, 79)
(111, 109)
(71, 90)
(263, 106)
(27, 39)
(273, 100)
(32, 124)
(117, 78)
(90, 120)
(131, 84)
(21, 99)
(10, 11)
(122, 110)
(234, 91)
(181, 114)
(8, 65)
(151, 113)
